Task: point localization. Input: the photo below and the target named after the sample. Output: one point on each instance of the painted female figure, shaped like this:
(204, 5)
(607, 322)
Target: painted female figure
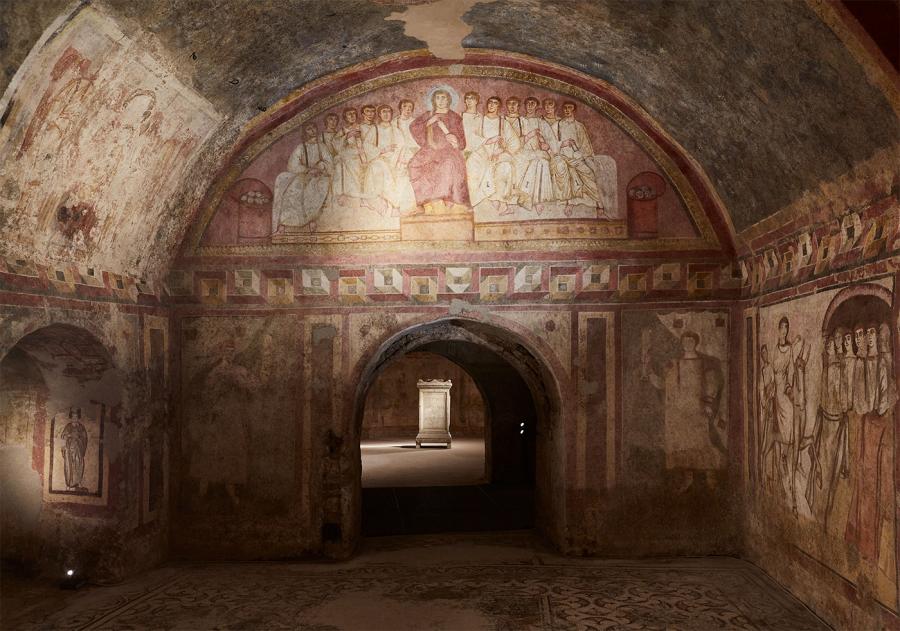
(437, 170)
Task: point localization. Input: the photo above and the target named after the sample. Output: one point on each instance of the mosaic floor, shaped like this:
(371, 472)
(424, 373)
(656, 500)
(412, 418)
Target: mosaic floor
(498, 582)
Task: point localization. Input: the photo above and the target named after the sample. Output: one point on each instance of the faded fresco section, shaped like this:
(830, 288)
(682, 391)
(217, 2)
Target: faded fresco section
(241, 411)
(676, 423)
(821, 447)
(676, 369)
(94, 148)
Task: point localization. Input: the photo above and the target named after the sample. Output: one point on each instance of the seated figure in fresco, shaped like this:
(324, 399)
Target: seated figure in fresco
(349, 161)
(491, 167)
(368, 119)
(535, 186)
(572, 164)
(472, 122)
(386, 187)
(331, 135)
(300, 193)
(513, 118)
(437, 170)
(408, 148)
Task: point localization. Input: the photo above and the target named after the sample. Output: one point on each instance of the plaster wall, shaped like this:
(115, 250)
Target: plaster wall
(629, 349)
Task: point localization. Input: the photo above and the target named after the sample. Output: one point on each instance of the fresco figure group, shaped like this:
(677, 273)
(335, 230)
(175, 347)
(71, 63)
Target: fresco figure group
(441, 161)
(857, 395)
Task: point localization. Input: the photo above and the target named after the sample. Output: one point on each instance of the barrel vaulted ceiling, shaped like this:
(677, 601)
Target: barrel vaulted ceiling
(763, 94)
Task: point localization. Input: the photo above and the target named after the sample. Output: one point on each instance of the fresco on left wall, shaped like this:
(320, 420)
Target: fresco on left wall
(97, 138)
(821, 448)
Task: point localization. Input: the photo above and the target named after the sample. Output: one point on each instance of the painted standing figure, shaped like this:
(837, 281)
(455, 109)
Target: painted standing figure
(829, 452)
(695, 431)
(766, 414)
(437, 170)
(870, 509)
(789, 406)
(74, 448)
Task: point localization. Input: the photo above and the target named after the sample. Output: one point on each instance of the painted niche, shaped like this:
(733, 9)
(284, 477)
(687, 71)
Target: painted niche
(488, 156)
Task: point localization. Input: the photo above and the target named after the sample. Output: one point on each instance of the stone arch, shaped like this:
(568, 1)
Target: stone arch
(528, 356)
(95, 328)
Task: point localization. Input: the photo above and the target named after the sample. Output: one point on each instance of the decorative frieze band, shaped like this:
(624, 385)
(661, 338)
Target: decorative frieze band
(853, 239)
(74, 281)
(417, 284)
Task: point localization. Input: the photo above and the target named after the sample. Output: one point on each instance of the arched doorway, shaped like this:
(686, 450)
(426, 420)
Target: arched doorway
(59, 393)
(521, 402)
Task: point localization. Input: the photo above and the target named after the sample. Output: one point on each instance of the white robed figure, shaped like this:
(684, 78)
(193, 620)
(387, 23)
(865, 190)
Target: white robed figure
(491, 167)
(349, 162)
(406, 198)
(472, 123)
(332, 134)
(789, 405)
(386, 187)
(572, 163)
(535, 187)
(300, 192)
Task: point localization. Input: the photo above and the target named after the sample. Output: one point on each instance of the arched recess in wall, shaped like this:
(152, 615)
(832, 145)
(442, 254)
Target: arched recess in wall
(60, 397)
(858, 304)
(517, 381)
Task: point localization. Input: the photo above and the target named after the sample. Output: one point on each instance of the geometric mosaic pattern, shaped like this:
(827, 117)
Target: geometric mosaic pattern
(451, 584)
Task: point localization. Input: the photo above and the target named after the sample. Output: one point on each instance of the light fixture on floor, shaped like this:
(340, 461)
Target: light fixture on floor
(71, 580)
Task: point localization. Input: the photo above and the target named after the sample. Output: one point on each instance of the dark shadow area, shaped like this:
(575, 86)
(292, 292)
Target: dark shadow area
(507, 501)
(436, 509)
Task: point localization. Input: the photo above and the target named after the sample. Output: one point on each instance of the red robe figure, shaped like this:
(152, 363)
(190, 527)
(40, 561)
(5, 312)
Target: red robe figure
(871, 507)
(438, 170)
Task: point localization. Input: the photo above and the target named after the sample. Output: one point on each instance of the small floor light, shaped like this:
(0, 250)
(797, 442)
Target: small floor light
(71, 580)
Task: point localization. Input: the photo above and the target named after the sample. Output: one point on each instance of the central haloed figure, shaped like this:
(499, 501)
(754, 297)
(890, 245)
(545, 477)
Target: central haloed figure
(438, 170)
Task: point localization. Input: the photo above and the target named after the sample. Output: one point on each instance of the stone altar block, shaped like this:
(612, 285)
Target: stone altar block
(434, 412)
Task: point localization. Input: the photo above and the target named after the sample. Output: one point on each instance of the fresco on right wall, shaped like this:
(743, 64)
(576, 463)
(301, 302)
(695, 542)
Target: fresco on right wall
(822, 446)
